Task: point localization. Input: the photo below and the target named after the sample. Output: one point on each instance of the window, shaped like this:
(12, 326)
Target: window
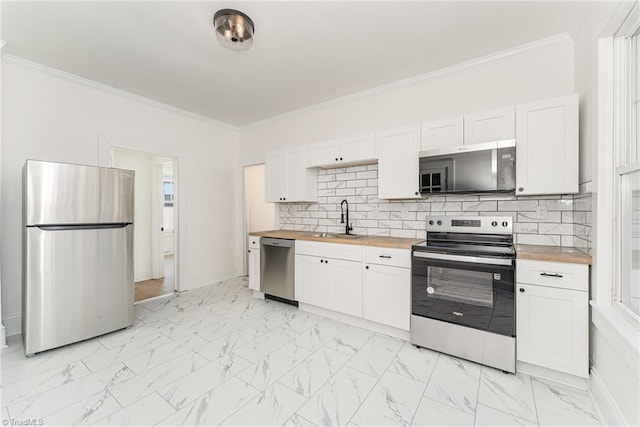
(168, 190)
(627, 166)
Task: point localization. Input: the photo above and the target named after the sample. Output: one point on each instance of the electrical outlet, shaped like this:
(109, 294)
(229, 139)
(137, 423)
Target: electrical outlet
(541, 212)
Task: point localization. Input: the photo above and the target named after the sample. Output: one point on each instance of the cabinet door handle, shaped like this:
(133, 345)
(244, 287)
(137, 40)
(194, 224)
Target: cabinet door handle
(385, 256)
(367, 267)
(326, 261)
(321, 260)
(520, 189)
(551, 274)
(417, 193)
(340, 158)
(249, 251)
(336, 159)
(521, 289)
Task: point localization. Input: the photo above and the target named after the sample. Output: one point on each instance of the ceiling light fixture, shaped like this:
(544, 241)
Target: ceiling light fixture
(234, 29)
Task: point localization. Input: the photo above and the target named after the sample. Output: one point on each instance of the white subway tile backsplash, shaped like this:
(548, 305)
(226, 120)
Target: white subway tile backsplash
(557, 205)
(568, 221)
(446, 207)
(345, 176)
(476, 206)
(556, 228)
(538, 239)
(390, 224)
(367, 175)
(532, 217)
(525, 227)
(518, 205)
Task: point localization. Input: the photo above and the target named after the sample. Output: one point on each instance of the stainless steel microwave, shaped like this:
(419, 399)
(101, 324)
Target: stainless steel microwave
(476, 168)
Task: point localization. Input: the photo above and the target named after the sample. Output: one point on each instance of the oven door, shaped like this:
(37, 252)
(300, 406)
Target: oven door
(477, 292)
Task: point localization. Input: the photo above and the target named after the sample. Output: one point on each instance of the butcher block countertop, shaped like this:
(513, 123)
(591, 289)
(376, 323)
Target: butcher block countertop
(552, 253)
(379, 241)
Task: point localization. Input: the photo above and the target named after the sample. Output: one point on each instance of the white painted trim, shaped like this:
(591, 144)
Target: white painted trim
(606, 407)
(3, 338)
(356, 321)
(2, 45)
(115, 91)
(495, 57)
(619, 332)
(170, 294)
(13, 324)
(106, 142)
(631, 23)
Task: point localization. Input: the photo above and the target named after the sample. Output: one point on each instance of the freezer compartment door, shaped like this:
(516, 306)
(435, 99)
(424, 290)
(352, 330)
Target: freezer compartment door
(78, 284)
(59, 193)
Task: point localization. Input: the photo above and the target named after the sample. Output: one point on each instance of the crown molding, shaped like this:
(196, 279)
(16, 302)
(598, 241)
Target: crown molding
(496, 57)
(115, 91)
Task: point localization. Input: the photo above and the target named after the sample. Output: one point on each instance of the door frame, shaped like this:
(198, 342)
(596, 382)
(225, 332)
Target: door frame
(243, 262)
(106, 145)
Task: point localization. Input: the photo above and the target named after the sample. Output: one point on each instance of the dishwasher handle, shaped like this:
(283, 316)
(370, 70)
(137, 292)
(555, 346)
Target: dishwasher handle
(270, 241)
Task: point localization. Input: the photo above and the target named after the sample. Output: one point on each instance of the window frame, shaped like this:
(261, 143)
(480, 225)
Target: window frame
(626, 159)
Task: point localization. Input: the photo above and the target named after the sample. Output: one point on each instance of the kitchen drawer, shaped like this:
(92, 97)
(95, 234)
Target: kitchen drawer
(560, 275)
(387, 256)
(329, 250)
(254, 242)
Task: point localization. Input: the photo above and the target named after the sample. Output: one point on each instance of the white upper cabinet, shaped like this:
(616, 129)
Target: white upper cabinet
(346, 151)
(324, 153)
(357, 149)
(398, 163)
(442, 133)
(547, 146)
(494, 125)
(288, 179)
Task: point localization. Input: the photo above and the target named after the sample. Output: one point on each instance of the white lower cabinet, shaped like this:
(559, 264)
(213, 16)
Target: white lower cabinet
(344, 287)
(254, 263)
(552, 319)
(386, 295)
(378, 292)
(310, 280)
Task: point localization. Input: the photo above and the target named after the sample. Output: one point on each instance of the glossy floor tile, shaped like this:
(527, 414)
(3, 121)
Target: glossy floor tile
(218, 356)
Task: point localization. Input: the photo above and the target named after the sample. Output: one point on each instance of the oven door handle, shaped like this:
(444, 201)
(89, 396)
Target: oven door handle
(462, 258)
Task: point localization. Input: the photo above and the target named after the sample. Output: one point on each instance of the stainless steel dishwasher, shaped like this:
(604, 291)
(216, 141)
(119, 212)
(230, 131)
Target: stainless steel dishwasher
(277, 259)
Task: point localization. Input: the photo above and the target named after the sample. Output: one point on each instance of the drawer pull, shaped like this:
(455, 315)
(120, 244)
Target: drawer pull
(385, 256)
(551, 274)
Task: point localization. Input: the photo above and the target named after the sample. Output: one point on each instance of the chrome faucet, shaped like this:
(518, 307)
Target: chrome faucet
(348, 227)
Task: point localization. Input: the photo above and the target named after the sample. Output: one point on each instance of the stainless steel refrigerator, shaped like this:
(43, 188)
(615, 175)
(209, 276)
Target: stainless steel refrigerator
(77, 253)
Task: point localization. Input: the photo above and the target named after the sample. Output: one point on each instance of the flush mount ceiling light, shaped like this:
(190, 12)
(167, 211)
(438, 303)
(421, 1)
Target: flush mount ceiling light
(234, 29)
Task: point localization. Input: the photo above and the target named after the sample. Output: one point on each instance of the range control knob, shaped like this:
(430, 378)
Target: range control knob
(494, 223)
(505, 223)
(439, 222)
(430, 222)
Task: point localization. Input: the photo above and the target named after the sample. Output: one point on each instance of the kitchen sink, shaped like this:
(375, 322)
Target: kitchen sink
(337, 235)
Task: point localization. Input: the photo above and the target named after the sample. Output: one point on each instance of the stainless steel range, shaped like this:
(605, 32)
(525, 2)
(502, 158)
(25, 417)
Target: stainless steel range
(463, 289)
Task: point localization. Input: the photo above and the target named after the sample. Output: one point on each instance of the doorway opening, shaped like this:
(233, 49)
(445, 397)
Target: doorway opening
(258, 214)
(155, 221)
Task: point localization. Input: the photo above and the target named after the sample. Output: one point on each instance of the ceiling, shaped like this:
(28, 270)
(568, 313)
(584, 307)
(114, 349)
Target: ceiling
(304, 52)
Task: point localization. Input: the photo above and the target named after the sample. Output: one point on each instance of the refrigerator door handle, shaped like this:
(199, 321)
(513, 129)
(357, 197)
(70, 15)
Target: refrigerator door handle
(82, 227)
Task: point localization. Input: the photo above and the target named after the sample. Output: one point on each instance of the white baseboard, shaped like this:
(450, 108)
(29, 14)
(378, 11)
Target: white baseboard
(560, 378)
(608, 411)
(13, 324)
(3, 337)
(357, 321)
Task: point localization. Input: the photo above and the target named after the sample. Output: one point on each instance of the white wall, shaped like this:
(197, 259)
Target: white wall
(260, 215)
(53, 117)
(541, 71)
(140, 162)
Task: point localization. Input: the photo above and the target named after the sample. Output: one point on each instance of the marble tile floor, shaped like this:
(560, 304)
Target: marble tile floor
(218, 356)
